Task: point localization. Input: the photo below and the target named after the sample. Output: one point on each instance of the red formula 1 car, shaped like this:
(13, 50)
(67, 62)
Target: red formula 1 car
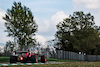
(24, 57)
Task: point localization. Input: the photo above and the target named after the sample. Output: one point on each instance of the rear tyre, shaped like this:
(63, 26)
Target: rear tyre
(34, 59)
(13, 59)
(43, 59)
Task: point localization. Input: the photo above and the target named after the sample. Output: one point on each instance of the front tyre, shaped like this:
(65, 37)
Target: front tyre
(43, 60)
(13, 59)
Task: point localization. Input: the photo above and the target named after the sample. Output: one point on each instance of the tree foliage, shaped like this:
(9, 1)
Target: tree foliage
(78, 33)
(9, 46)
(20, 24)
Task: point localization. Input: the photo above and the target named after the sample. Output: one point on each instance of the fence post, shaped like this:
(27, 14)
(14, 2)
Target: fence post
(69, 55)
(61, 54)
(56, 54)
(64, 55)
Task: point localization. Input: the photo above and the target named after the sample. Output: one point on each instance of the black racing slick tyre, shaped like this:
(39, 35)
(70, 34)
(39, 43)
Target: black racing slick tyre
(13, 59)
(34, 59)
(43, 59)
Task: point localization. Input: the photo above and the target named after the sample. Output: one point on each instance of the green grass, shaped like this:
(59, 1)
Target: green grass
(4, 59)
(61, 60)
(67, 63)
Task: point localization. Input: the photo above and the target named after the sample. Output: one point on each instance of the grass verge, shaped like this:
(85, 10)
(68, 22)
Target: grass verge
(61, 60)
(4, 59)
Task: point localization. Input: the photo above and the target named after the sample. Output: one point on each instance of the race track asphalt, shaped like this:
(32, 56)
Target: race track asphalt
(49, 62)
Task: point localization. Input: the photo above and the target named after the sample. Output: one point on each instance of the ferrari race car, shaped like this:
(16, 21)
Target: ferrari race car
(24, 57)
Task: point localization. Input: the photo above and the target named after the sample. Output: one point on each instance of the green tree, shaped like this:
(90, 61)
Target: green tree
(9, 45)
(20, 25)
(78, 33)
